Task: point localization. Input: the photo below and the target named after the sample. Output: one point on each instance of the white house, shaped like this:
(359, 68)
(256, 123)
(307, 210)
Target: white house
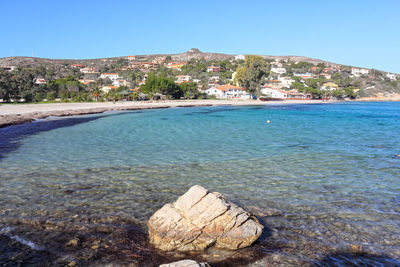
(391, 76)
(304, 75)
(278, 70)
(183, 78)
(277, 64)
(239, 57)
(111, 76)
(40, 81)
(119, 83)
(286, 81)
(273, 93)
(108, 88)
(9, 68)
(88, 70)
(212, 68)
(214, 78)
(227, 91)
(216, 92)
(356, 72)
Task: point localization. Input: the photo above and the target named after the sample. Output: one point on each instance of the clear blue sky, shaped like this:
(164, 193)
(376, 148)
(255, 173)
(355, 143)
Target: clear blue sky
(363, 33)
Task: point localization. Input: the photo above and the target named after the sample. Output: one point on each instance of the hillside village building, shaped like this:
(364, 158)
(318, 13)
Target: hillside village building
(278, 70)
(86, 82)
(304, 75)
(239, 57)
(88, 70)
(391, 76)
(40, 81)
(175, 65)
(286, 81)
(183, 78)
(119, 83)
(111, 76)
(356, 72)
(329, 86)
(108, 88)
(213, 68)
(77, 66)
(9, 68)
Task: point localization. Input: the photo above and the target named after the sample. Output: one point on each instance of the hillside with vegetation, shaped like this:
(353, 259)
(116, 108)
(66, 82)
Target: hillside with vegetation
(186, 75)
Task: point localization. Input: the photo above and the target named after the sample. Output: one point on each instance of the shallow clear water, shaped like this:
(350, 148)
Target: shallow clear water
(331, 169)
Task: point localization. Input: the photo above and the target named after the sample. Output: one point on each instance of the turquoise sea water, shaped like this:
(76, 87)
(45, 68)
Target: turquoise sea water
(332, 169)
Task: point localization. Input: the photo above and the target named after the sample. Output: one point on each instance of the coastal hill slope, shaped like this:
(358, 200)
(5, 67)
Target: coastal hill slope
(21, 61)
(367, 82)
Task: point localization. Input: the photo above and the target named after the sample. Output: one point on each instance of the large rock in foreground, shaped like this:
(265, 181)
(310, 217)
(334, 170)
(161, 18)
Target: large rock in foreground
(199, 220)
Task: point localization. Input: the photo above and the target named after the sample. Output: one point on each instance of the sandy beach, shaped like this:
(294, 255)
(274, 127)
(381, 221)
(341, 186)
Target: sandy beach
(11, 114)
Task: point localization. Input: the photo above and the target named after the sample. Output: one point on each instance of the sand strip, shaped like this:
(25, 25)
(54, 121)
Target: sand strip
(12, 114)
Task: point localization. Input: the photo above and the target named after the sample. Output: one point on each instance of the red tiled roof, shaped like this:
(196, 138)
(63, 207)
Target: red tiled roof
(226, 87)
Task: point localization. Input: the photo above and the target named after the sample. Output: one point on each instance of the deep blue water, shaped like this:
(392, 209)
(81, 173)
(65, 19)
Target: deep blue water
(332, 169)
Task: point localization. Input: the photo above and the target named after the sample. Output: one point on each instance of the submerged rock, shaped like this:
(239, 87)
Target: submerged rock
(186, 263)
(199, 220)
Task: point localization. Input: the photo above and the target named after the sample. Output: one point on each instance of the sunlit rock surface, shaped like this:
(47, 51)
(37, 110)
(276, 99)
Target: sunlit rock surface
(199, 220)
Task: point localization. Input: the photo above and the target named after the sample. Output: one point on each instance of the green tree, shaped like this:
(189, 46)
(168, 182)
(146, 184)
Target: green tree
(50, 96)
(252, 73)
(189, 90)
(39, 97)
(298, 85)
(161, 84)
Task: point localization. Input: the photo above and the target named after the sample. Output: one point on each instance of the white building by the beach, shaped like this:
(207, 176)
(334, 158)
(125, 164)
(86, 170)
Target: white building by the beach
(228, 91)
(273, 93)
(213, 91)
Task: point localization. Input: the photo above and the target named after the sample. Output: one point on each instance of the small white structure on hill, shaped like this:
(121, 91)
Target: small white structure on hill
(278, 70)
(391, 76)
(111, 76)
(239, 57)
(286, 81)
(356, 72)
(183, 78)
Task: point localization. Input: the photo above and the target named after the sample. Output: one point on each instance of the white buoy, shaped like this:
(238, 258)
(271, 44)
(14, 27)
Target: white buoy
(268, 121)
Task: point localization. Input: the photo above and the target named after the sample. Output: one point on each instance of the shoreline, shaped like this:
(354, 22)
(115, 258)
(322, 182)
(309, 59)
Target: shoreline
(13, 114)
